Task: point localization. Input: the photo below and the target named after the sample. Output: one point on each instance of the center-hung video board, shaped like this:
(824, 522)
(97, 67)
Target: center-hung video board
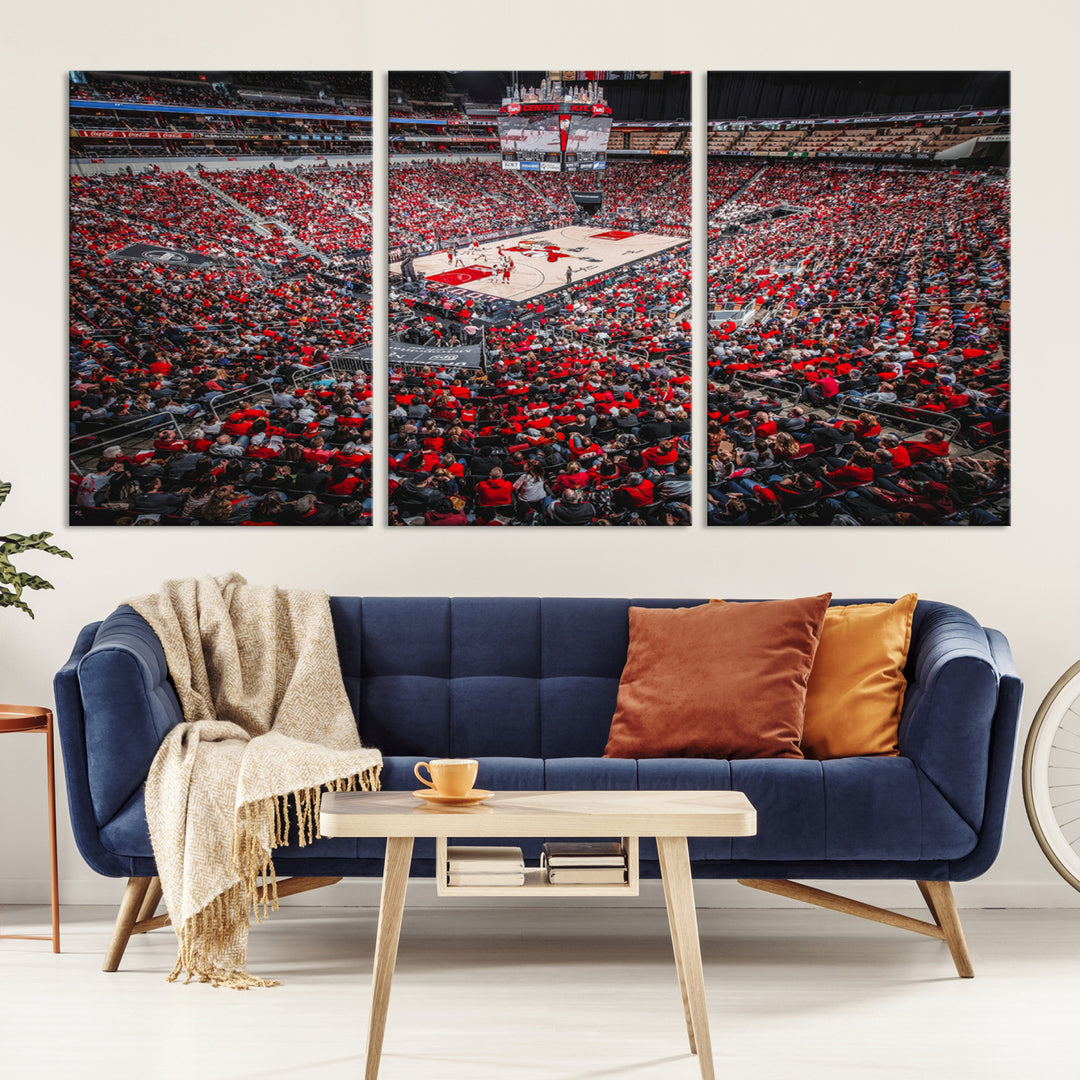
(554, 136)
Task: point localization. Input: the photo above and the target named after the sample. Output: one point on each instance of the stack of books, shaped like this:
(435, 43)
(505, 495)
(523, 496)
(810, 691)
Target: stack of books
(485, 866)
(584, 863)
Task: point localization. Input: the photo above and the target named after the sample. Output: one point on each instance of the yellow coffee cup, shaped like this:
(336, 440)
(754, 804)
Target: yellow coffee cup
(449, 776)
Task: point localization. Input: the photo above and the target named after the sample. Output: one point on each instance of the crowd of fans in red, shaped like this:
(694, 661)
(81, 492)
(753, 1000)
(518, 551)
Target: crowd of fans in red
(432, 201)
(859, 347)
(313, 217)
(169, 208)
(202, 394)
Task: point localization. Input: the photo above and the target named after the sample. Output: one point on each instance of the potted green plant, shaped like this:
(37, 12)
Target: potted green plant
(12, 580)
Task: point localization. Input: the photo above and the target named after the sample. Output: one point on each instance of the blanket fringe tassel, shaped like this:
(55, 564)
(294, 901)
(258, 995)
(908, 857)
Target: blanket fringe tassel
(218, 931)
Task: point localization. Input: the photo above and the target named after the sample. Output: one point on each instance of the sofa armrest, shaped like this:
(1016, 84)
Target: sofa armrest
(1003, 742)
(950, 706)
(71, 729)
(129, 705)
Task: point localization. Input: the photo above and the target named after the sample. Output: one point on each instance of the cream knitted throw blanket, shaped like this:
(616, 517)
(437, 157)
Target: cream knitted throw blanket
(266, 723)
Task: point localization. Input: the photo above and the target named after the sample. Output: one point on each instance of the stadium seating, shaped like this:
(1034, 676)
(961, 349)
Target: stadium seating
(874, 320)
(229, 392)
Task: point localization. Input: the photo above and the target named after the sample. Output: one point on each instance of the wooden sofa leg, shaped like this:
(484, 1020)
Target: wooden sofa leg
(938, 896)
(134, 894)
(942, 904)
(149, 906)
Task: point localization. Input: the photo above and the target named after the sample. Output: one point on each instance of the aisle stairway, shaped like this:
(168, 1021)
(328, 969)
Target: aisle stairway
(746, 185)
(262, 225)
(333, 196)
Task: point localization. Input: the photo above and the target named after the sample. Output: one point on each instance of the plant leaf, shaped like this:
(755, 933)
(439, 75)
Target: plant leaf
(32, 581)
(12, 581)
(9, 600)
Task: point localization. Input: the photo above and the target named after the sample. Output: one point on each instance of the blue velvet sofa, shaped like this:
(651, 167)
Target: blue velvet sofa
(529, 686)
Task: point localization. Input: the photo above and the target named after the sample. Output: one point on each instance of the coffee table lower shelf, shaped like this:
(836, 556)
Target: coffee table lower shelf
(536, 883)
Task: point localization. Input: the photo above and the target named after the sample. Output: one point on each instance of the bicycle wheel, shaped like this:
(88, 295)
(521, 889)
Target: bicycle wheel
(1052, 776)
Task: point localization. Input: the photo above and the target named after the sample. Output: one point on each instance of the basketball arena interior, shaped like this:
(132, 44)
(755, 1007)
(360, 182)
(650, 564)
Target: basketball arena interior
(540, 349)
(858, 342)
(220, 292)
(540, 364)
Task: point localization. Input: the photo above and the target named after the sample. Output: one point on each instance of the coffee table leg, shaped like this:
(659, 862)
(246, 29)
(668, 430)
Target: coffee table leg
(391, 908)
(679, 891)
(677, 948)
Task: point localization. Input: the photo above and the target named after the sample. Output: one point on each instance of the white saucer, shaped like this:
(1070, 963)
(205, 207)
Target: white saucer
(477, 795)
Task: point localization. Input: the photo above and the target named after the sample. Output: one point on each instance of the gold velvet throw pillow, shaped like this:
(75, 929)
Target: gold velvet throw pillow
(718, 680)
(856, 689)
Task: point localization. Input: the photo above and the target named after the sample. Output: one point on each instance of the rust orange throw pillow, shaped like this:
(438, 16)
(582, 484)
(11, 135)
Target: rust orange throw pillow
(719, 680)
(857, 686)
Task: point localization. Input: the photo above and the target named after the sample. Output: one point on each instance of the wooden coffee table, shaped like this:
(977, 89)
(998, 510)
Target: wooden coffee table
(669, 816)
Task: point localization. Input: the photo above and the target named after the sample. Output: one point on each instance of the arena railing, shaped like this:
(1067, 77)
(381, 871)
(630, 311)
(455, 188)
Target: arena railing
(741, 315)
(109, 337)
(745, 381)
(678, 355)
(120, 435)
(231, 400)
(894, 413)
(345, 362)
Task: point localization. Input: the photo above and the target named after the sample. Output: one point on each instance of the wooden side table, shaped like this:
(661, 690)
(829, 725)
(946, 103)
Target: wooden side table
(35, 718)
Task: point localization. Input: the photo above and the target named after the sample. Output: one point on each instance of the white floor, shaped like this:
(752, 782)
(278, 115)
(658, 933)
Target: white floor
(554, 993)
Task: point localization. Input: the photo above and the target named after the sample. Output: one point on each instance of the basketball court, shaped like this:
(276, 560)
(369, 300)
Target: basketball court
(540, 260)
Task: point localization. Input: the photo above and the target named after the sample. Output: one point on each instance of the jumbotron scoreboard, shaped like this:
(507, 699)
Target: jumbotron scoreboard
(554, 136)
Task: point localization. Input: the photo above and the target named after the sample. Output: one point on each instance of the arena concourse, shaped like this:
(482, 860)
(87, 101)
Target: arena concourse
(540, 368)
(220, 275)
(858, 349)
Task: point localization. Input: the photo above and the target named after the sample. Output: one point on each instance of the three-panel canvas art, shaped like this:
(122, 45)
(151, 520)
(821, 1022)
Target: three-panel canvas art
(833, 350)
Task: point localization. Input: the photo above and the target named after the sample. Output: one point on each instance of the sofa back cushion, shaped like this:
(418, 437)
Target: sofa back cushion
(499, 676)
(483, 676)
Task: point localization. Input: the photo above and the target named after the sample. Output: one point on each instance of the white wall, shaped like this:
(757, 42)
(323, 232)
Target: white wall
(1023, 580)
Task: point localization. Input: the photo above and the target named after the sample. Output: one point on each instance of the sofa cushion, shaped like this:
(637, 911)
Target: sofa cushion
(847, 809)
(494, 774)
(854, 809)
(721, 680)
(590, 774)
